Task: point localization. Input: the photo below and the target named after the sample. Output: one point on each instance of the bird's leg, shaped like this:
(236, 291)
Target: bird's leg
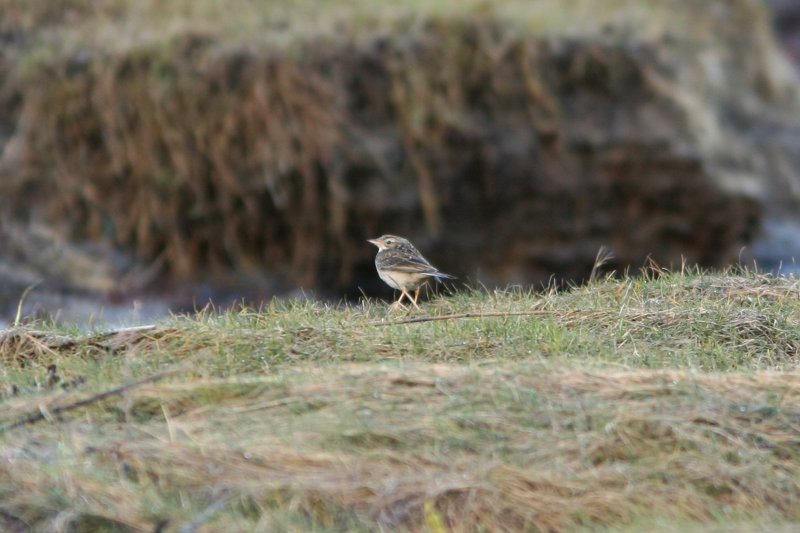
(399, 302)
(410, 299)
(416, 295)
(405, 294)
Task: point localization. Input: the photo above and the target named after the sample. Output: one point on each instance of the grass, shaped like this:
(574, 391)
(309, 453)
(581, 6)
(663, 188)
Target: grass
(662, 402)
(624, 405)
(121, 24)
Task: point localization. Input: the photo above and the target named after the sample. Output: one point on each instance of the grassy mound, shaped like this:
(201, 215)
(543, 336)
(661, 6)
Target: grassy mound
(638, 403)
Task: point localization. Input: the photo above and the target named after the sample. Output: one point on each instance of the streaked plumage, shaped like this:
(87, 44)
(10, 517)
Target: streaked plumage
(402, 267)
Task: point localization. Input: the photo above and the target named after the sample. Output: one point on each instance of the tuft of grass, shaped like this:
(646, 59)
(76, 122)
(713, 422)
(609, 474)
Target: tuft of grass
(622, 405)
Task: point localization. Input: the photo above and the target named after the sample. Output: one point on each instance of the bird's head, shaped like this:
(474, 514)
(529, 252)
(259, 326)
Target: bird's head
(387, 242)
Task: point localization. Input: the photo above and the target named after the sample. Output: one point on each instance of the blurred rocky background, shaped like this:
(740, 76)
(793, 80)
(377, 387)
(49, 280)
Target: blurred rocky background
(156, 155)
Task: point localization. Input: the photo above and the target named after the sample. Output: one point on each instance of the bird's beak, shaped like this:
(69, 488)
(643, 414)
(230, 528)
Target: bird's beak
(378, 243)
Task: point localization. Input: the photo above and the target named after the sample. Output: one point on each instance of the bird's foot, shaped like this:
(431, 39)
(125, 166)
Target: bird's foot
(396, 306)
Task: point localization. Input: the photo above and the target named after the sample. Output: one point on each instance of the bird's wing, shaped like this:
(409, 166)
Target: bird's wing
(411, 264)
(406, 263)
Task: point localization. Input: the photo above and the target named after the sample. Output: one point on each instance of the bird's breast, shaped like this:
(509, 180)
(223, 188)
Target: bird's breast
(402, 280)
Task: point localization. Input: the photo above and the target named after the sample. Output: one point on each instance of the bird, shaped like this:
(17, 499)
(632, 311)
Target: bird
(402, 267)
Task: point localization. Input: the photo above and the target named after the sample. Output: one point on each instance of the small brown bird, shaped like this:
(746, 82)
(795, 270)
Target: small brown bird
(402, 267)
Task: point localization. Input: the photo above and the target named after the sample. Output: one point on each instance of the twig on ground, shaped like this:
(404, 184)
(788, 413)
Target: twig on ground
(456, 316)
(44, 414)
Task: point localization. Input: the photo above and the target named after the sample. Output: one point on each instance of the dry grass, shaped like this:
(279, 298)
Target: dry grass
(624, 404)
(210, 136)
(119, 24)
(508, 446)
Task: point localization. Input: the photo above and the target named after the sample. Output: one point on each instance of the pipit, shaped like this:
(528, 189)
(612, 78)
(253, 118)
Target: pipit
(402, 267)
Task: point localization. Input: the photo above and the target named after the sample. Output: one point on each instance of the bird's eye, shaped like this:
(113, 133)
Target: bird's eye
(389, 241)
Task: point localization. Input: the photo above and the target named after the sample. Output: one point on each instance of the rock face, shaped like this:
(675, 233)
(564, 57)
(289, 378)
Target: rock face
(506, 155)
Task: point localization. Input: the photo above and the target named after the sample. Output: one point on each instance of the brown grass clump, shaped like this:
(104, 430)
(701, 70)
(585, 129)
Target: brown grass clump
(284, 136)
(21, 345)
